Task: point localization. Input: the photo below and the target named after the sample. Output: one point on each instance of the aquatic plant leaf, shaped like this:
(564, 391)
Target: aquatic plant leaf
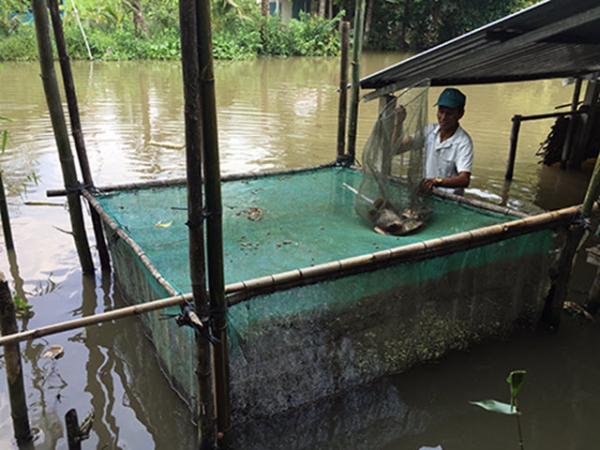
(515, 380)
(55, 352)
(496, 406)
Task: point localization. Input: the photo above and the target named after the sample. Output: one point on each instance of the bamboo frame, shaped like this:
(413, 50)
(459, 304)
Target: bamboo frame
(59, 126)
(241, 291)
(183, 181)
(96, 319)
(433, 248)
(73, 108)
(130, 242)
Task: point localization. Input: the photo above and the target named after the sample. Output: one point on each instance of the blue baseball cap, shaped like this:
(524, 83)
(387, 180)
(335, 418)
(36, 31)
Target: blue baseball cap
(452, 98)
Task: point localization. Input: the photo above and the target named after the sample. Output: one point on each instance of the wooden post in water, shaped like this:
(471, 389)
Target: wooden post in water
(72, 424)
(343, 105)
(214, 216)
(188, 17)
(591, 196)
(512, 153)
(71, 95)
(44, 41)
(568, 155)
(359, 20)
(14, 368)
(8, 238)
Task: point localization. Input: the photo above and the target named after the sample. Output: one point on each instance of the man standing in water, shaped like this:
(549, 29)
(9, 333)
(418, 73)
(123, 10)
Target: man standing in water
(448, 147)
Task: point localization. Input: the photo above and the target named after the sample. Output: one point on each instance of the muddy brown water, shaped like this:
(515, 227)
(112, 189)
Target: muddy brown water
(272, 114)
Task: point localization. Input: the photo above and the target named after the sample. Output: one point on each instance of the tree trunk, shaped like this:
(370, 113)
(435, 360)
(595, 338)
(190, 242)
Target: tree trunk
(368, 22)
(264, 12)
(138, 18)
(322, 4)
(403, 28)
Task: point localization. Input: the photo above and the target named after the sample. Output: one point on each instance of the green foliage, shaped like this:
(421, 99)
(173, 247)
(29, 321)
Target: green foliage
(4, 135)
(418, 24)
(112, 35)
(23, 310)
(240, 32)
(19, 46)
(515, 382)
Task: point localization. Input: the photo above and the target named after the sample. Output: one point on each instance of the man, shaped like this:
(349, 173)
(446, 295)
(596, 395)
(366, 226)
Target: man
(448, 147)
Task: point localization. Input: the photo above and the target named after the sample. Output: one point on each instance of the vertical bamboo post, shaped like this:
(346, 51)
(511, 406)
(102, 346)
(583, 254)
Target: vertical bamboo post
(214, 226)
(8, 238)
(193, 137)
(593, 300)
(14, 368)
(71, 95)
(343, 105)
(359, 19)
(42, 28)
(512, 152)
(568, 155)
(72, 424)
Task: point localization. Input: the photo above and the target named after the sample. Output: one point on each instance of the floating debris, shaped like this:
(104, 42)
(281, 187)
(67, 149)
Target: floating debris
(55, 352)
(160, 224)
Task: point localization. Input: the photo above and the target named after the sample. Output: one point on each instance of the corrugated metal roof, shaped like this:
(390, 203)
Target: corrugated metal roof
(553, 39)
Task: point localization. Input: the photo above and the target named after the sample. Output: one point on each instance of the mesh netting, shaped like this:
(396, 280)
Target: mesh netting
(391, 195)
(291, 347)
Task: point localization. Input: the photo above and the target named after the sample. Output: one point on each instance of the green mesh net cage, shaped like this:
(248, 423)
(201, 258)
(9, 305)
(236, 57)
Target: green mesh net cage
(369, 316)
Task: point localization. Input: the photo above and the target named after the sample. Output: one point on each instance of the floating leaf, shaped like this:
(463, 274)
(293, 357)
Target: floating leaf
(159, 224)
(515, 381)
(495, 406)
(55, 352)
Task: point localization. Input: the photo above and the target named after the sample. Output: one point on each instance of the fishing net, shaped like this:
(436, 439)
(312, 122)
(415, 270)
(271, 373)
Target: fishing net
(391, 195)
(292, 346)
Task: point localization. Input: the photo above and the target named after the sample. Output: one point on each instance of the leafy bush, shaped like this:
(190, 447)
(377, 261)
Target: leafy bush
(19, 46)
(110, 38)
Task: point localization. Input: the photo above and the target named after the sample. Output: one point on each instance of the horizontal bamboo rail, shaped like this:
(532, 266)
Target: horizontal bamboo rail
(409, 253)
(95, 319)
(238, 292)
(130, 242)
(182, 181)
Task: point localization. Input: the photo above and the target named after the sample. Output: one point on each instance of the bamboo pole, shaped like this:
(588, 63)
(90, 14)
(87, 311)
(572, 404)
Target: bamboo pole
(59, 126)
(85, 41)
(238, 292)
(591, 196)
(359, 19)
(118, 231)
(512, 153)
(14, 368)
(8, 238)
(569, 156)
(214, 220)
(188, 16)
(72, 425)
(183, 181)
(96, 319)
(343, 104)
(73, 108)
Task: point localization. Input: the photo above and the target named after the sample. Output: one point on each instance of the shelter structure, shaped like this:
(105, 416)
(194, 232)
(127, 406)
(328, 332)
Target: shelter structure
(552, 39)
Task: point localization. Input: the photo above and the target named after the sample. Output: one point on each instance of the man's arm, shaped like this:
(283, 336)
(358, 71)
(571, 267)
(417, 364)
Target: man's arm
(461, 180)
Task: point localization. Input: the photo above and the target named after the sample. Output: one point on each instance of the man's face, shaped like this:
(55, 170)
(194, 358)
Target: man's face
(448, 117)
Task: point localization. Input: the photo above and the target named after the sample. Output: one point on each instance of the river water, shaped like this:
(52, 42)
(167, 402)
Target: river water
(272, 114)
